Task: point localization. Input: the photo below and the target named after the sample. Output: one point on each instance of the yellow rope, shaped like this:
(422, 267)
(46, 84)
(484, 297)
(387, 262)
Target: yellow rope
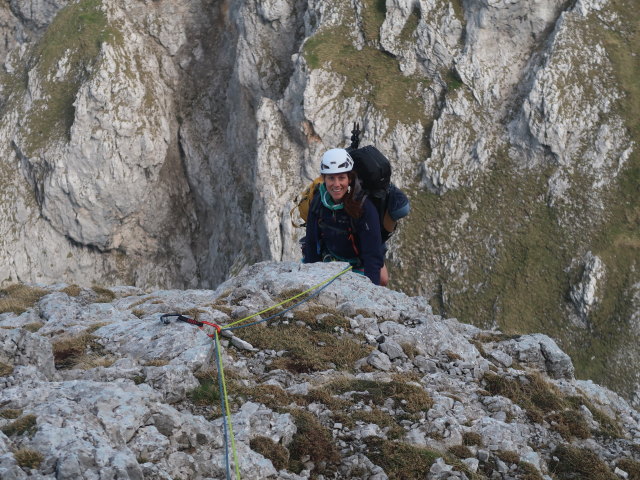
(228, 410)
(288, 300)
(222, 379)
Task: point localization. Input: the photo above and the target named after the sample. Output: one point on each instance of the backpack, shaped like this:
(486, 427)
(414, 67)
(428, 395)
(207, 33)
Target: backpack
(303, 202)
(374, 171)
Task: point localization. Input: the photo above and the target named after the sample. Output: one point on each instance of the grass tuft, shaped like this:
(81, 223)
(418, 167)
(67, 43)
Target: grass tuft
(104, 294)
(410, 398)
(19, 298)
(28, 458)
(394, 431)
(632, 467)
(508, 456)
(373, 16)
(158, 362)
(307, 350)
(313, 440)
(26, 424)
(72, 290)
(608, 427)
(461, 451)
(580, 463)
(10, 413)
(278, 454)
(5, 369)
(471, 438)
(272, 396)
(77, 351)
(399, 460)
(33, 327)
(208, 392)
(543, 401)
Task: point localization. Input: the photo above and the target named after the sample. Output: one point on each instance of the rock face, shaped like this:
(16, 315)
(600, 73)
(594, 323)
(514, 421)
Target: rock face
(162, 144)
(349, 384)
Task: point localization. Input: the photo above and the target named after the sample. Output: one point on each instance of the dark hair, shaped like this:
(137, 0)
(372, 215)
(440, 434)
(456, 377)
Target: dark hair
(352, 199)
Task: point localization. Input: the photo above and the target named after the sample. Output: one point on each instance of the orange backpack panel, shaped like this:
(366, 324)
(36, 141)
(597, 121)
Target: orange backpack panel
(303, 202)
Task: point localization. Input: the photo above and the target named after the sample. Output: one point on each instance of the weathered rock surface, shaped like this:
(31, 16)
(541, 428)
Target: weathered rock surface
(161, 143)
(132, 413)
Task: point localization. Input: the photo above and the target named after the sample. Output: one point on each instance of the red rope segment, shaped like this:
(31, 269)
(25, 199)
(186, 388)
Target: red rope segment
(214, 325)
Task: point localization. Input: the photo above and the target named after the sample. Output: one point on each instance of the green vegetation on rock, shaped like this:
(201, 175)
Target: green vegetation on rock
(63, 58)
(524, 253)
(369, 73)
(373, 14)
(411, 25)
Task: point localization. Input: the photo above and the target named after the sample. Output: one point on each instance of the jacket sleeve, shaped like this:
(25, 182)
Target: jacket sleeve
(311, 254)
(371, 254)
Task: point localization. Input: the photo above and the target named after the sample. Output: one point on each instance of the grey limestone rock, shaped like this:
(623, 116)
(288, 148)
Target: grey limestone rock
(541, 351)
(134, 418)
(379, 360)
(19, 347)
(584, 295)
(130, 181)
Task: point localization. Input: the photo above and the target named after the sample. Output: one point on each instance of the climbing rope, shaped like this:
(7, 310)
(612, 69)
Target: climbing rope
(222, 384)
(324, 285)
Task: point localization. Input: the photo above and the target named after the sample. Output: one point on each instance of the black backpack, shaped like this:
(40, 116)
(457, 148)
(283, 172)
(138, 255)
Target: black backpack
(374, 171)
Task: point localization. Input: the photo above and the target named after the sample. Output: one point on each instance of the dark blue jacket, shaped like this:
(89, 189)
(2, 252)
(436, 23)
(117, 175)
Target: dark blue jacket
(328, 233)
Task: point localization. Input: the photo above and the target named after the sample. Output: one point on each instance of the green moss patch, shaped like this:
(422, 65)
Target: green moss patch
(71, 44)
(208, 393)
(369, 73)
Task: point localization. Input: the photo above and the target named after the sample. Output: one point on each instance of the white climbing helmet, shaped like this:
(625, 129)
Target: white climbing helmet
(336, 160)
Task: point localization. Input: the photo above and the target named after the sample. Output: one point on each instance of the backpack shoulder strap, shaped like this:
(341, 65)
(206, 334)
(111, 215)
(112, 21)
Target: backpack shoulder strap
(315, 201)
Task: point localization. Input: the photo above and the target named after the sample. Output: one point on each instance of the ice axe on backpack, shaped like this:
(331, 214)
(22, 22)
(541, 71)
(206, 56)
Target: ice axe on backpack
(355, 136)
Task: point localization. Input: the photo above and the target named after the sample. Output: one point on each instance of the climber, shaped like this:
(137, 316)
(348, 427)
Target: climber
(343, 225)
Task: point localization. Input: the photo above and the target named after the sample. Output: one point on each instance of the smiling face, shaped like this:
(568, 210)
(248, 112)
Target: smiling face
(337, 184)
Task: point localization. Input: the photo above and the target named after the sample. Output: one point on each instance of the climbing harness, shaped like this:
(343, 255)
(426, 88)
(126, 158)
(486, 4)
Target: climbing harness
(222, 386)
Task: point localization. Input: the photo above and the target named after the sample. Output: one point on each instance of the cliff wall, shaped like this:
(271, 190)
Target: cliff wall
(158, 143)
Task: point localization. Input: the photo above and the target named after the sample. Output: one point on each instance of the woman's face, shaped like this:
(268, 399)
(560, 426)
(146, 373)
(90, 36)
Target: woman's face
(337, 184)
